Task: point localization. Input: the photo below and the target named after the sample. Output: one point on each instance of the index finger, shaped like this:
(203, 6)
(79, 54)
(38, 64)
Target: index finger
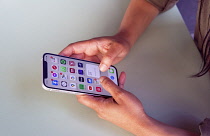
(90, 101)
(80, 47)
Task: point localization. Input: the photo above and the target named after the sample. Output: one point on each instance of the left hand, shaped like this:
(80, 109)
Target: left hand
(105, 50)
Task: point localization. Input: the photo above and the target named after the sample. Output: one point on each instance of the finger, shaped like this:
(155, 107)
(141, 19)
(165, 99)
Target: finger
(109, 58)
(90, 101)
(80, 47)
(122, 79)
(78, 56)
(116, 92)
(92, 58)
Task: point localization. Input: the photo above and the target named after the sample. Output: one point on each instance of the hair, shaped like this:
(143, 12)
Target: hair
(205, 48)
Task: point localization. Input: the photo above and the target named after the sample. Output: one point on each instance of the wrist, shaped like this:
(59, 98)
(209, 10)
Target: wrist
(150, 126)
(145, 123)
(124, 37)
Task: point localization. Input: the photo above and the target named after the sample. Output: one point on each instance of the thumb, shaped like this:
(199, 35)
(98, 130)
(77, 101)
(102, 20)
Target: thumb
(116, 92)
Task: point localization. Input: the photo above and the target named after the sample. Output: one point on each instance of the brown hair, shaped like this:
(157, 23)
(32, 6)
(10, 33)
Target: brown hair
(205, 48)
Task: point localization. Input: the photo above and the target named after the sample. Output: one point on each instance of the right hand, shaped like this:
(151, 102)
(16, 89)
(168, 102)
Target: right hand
(122, 109)
(104, 50)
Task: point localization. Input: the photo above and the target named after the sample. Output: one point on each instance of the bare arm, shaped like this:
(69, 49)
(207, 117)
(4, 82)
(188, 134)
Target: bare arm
(137, 18)
(110, 50)
(126, 111)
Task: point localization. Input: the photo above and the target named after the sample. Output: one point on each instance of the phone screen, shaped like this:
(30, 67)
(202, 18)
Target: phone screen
(70, 74)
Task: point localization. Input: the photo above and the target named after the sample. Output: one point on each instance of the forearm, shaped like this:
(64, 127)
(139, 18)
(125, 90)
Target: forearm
(137, 18)
(152, 127)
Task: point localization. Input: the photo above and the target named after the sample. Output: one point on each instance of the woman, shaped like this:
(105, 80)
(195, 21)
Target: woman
(112, 49)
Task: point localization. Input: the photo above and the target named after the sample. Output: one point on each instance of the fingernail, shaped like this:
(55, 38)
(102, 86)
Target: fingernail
(102, 79)
(103, 67)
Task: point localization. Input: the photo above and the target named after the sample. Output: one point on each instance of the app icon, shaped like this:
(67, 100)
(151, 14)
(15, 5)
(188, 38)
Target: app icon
(112, 77)
(62, 68)
(73, 85)
(89, 80)
(98, 89)
(90, 88)
(111, 70)
(63, 83)
(54, 67)
(81, 79)
(63, 76)
(92, 70)
(54, 74)
(72, 77)
(80, 72)
(72, 70)
(62, 61)
(81, 86)
(54, 82)
(53, 59)
(80, 65)
(96, 81)
(71, 63)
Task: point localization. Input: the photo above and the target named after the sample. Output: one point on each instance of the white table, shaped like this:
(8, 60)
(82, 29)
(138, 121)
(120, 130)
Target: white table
(158, 68)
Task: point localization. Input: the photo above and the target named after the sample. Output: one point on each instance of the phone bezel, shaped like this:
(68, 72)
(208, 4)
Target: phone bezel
(66, 90)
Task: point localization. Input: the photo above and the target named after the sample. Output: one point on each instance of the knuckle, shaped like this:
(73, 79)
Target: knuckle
(109, 56)
(102, 115)
(120, 94)
(99, 115)
(108, 45)
(94, 41)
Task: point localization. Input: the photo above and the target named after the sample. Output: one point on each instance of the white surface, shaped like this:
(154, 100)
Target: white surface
(157, 68)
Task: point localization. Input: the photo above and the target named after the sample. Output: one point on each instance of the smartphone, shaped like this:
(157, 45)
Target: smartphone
(70, 75)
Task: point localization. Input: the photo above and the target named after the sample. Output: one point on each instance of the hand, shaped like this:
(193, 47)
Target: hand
(126, 111)
(104, 50)
(123, 109)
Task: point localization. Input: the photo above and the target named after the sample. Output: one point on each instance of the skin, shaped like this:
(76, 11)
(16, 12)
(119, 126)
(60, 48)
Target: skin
(112, 49)
(123, 108)
(126, 111)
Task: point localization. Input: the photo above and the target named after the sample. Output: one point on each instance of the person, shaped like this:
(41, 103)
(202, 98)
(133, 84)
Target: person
(110, 50)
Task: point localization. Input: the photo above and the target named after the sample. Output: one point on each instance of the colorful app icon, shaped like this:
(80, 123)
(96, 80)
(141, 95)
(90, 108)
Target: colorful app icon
(80, 65)
(90, 88)
(81, 86)
(81, 79)
(111, 70)
(96, 81)
(72, 77)
(112, 77)
(54, 67)
(54, 82)
(71, 63)
(98, 89)
(62, 68)
(90, 80)
(63, 83)
(80, 72)
(54, 74)
(63, 76)
(53, 59)
(73, 85)
(62, 61)
(72, 70)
